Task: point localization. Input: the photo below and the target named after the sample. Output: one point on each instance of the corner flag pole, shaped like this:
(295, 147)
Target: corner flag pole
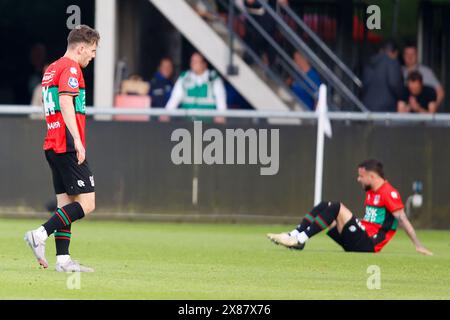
(323, 128)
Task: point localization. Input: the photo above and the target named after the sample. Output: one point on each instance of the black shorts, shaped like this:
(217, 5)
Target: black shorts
(68, 176)
(353, 238)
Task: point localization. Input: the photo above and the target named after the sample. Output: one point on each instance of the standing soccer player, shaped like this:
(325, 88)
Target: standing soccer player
(63, 92)
(384, 211)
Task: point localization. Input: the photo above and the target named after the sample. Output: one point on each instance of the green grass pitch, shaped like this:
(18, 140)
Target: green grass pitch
(208, 261)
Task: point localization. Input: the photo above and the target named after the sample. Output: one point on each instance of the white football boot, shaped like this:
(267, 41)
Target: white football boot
(286, 240)
(72, 266)
(37, 246)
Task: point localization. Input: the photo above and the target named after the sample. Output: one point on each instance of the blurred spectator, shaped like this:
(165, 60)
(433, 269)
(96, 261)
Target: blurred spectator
(161, 85)
(252, 37)
(410, 58)
(36, 99)
(38, 59)
(207, 9)
(135, 85)
(417, 97)
(281, 39)
(198, 88)
(299, 88)
(382, 80)
(283, 3)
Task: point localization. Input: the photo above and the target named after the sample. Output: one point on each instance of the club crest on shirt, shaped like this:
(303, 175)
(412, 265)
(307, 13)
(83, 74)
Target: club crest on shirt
(73, 83)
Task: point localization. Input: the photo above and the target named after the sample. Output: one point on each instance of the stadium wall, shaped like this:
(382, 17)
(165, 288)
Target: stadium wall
(136, 179)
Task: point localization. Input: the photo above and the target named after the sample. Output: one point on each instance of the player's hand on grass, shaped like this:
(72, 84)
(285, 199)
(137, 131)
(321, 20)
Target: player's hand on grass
(424, 251)
(81, 152)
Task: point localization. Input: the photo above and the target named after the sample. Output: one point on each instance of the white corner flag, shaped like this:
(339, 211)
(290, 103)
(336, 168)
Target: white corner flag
(322, 112)
(323, 128)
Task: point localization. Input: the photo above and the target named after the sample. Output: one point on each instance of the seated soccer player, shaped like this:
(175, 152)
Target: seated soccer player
(384, 210)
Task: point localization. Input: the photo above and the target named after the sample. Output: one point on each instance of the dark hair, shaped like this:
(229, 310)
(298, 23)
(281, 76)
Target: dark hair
(410, 44)
(197, 53)
(83, 34)
(415, 76)
(390, 46)
(165, 58)
(373, 166)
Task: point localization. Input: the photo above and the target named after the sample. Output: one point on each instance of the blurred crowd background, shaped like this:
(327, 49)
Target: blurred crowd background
(402, 67)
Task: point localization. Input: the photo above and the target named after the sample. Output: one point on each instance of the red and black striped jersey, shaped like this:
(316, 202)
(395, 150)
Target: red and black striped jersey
(63, 77)
(379, 221)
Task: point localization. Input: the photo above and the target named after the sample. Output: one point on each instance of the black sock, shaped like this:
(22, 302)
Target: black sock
(64, 217)
(62, 240)
(323, 219)
(309, 217)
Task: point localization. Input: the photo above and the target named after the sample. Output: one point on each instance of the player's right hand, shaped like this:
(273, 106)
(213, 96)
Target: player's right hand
(81, 152)
(424, 251)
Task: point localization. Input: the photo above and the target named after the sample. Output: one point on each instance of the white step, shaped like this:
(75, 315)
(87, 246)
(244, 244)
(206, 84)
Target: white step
(216, 51)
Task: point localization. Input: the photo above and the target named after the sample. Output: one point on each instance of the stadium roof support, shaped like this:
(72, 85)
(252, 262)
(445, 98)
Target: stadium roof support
(105, 23)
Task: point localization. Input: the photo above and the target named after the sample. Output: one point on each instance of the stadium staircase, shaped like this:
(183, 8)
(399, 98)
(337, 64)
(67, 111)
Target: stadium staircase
(262, 85)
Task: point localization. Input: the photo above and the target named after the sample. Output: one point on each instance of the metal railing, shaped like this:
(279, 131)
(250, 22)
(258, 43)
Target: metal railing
(288, 66)
(249, 114)
(301, 46)
(314, 37)
(285, 61)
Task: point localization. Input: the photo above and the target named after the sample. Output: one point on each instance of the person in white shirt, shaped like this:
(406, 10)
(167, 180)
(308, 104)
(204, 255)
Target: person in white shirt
(199, 88)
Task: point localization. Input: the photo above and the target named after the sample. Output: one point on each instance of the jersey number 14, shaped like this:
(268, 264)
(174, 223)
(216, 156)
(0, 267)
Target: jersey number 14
(49, 104)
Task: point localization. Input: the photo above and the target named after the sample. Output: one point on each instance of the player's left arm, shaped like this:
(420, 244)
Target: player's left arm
(409, 229)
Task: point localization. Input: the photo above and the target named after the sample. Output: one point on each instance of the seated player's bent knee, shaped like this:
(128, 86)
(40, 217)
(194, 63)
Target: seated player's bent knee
(335, 206)
(344, 210)
(343, 217)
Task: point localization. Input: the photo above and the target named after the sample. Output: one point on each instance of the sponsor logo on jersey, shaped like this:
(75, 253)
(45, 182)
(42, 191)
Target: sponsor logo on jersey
(53, 125)
(92, 180)
(371, 214)
(73, 70)
(394, 195)
(81, 183)
(48, 77)
(376, 199)
(73, 83)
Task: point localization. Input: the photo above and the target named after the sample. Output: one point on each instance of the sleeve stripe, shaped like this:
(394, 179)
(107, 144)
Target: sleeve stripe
(67, 93)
